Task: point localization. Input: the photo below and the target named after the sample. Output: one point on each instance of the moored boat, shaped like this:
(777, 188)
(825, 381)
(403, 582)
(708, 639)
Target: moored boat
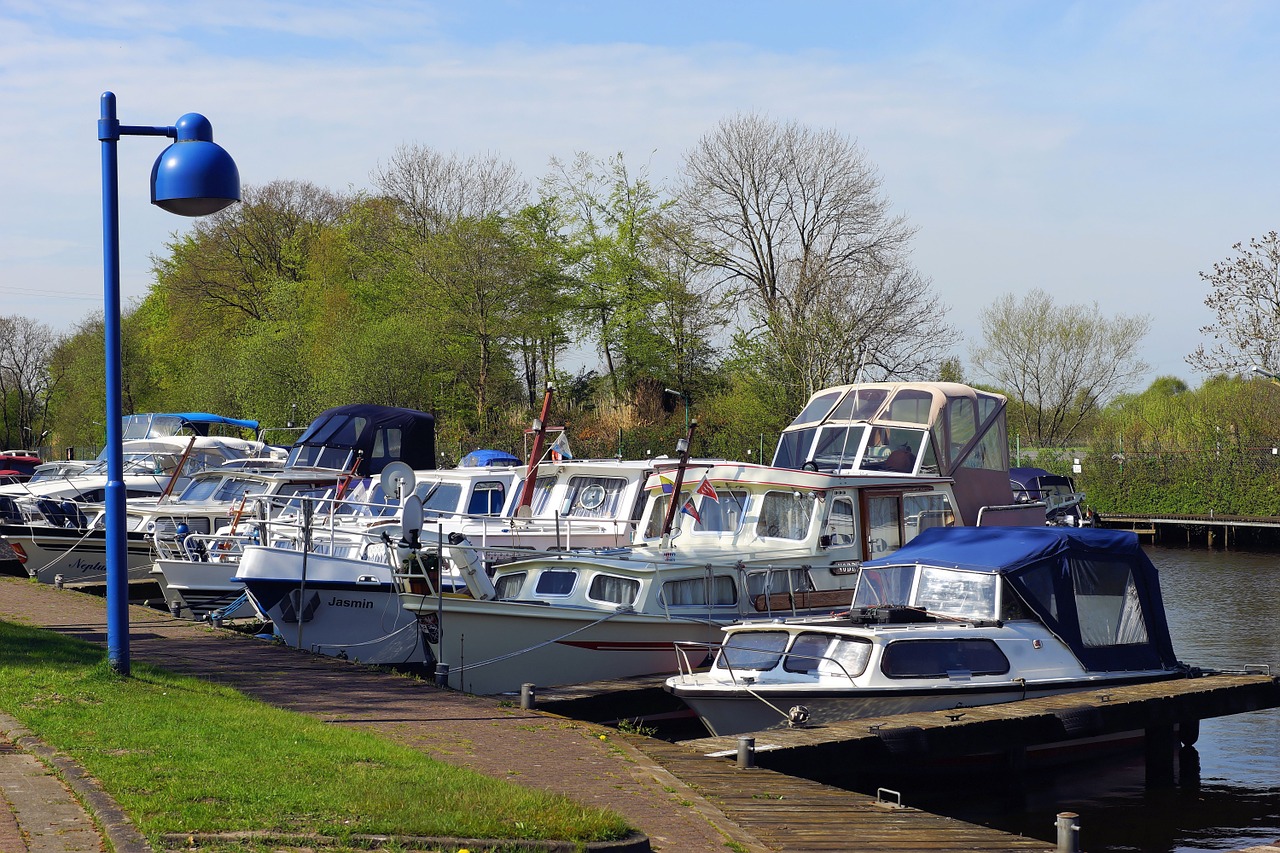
(960, 617)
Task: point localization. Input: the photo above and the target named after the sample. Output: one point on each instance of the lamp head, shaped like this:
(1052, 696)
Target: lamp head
(194, 176)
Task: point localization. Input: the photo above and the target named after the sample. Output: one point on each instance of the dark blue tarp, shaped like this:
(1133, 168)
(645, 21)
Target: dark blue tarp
(1047, 567)
(368, 437)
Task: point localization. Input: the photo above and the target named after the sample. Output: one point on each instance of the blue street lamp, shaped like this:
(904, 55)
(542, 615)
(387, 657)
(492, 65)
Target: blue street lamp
(192, 177)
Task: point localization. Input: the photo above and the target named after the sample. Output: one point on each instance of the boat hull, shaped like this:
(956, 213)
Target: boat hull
(495, 647)
(725, 713)
(344, 608)
(77, 555)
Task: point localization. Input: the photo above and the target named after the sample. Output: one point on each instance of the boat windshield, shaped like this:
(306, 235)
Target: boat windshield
(949, 592)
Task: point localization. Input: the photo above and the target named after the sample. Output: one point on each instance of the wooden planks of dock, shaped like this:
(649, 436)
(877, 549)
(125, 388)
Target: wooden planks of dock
(800, 816)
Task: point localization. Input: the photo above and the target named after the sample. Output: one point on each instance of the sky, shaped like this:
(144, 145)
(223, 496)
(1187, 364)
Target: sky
(1106, 151)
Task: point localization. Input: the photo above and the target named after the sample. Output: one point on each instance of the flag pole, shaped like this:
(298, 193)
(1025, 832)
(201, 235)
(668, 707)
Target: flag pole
(683, 447)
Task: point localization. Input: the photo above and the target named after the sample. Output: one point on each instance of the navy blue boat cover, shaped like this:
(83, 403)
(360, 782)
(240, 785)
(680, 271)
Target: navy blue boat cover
(1060, 572)
(376, 435)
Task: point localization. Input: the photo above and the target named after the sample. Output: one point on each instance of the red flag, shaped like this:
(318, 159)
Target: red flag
(705, 488)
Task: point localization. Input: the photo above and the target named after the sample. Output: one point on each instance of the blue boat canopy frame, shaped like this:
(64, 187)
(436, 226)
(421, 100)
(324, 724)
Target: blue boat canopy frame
(1095, 589)
(374, 435)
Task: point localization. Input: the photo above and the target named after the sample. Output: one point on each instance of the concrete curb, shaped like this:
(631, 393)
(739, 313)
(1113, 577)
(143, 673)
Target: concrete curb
(111, 820)
(634, 843)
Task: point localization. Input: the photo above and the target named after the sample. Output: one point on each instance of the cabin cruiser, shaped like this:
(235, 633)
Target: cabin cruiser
(958, 618)
(199, 536)
(725, 541)
(53, 522)
(336, 589)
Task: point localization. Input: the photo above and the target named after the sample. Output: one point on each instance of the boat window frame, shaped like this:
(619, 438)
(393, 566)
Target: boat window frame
(958, 673)
(555, 573)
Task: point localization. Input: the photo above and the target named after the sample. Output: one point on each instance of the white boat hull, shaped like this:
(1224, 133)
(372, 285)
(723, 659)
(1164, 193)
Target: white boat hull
(345, 608)
(495, 647)
(77, 555)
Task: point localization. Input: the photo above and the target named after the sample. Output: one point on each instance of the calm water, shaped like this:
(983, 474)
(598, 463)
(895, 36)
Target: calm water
(1224, 612)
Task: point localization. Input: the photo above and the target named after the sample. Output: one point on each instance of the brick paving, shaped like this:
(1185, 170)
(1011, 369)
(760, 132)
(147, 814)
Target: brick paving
(529, 748)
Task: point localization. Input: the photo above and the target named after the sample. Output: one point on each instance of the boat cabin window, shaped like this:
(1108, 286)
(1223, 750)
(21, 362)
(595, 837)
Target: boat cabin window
(837, 447)
(842, 526)
(721, 590)
(892, 449)
(509, 586)
(614, 590)
(971, 595)
(812, 651)
(861, 404)
(487, 498)
(910, 405)
(752, 650)
(884, 525)
(235, 489)
(386, 446)
(991, 454)
(722, 515)
(960, 657)
(439, 497)
(793, 448)
(817, 408)
(594, 497)
(774, 581)
(553, 582)
(923, 511)
(1107, 603)
(883, 587)
(785, 515)
(541, 494)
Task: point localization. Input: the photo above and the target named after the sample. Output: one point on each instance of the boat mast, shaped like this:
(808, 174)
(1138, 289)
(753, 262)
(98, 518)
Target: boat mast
(672, 506)
(524, 509)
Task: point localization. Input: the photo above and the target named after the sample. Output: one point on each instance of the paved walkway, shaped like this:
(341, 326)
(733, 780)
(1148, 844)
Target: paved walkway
(528, 747)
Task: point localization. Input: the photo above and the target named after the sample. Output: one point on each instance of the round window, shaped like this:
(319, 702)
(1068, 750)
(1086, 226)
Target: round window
(592, 496)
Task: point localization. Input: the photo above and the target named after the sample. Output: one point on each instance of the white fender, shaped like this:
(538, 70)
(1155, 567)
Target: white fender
(467, 561)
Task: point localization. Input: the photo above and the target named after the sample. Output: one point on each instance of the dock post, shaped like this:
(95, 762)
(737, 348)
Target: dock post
(1068, 832)
(528, 696)
(1159, 745)
(57, 581)
(746, 752)
(442, 675)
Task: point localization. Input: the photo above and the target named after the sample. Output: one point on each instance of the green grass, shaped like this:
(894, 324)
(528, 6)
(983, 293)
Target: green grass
(184, 756)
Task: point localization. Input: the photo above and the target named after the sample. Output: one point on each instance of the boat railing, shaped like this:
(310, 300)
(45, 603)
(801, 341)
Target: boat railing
(203, 547)
(1000, 508)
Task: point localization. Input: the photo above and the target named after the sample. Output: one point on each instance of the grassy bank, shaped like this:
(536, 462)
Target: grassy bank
(184, 756)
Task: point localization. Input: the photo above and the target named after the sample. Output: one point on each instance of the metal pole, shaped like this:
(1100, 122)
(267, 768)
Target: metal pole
(1068, 832)
(528, 696)
(114, 494)
(746, 752)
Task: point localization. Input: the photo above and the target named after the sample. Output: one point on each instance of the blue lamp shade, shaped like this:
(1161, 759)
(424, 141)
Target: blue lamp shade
(194, 176)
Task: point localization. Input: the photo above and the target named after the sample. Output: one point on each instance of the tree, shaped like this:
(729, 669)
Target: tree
(27, 379)
(1060, 362)
(794, 222)
(1245, 295)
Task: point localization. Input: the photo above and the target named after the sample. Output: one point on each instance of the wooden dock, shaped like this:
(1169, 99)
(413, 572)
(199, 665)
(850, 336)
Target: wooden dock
(1012, 728)
(1214, 530)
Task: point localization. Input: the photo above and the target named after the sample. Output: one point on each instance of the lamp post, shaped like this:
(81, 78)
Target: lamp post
(192, 177)
(676, 393)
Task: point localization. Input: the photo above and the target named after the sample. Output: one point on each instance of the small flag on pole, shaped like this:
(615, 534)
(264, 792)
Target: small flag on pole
(560, 448)
(667, 486)
(690, 509)
(706, 489)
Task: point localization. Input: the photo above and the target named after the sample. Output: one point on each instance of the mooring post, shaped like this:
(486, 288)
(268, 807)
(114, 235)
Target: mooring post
(746, 752)
(1159, 744)
(442, 675)
(528, 696)
(57, 581)
(1068, 832)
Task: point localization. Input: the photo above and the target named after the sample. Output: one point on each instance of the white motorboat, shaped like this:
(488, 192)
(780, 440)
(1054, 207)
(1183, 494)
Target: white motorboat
(53, 522)
(960, 617)
(740, 541)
